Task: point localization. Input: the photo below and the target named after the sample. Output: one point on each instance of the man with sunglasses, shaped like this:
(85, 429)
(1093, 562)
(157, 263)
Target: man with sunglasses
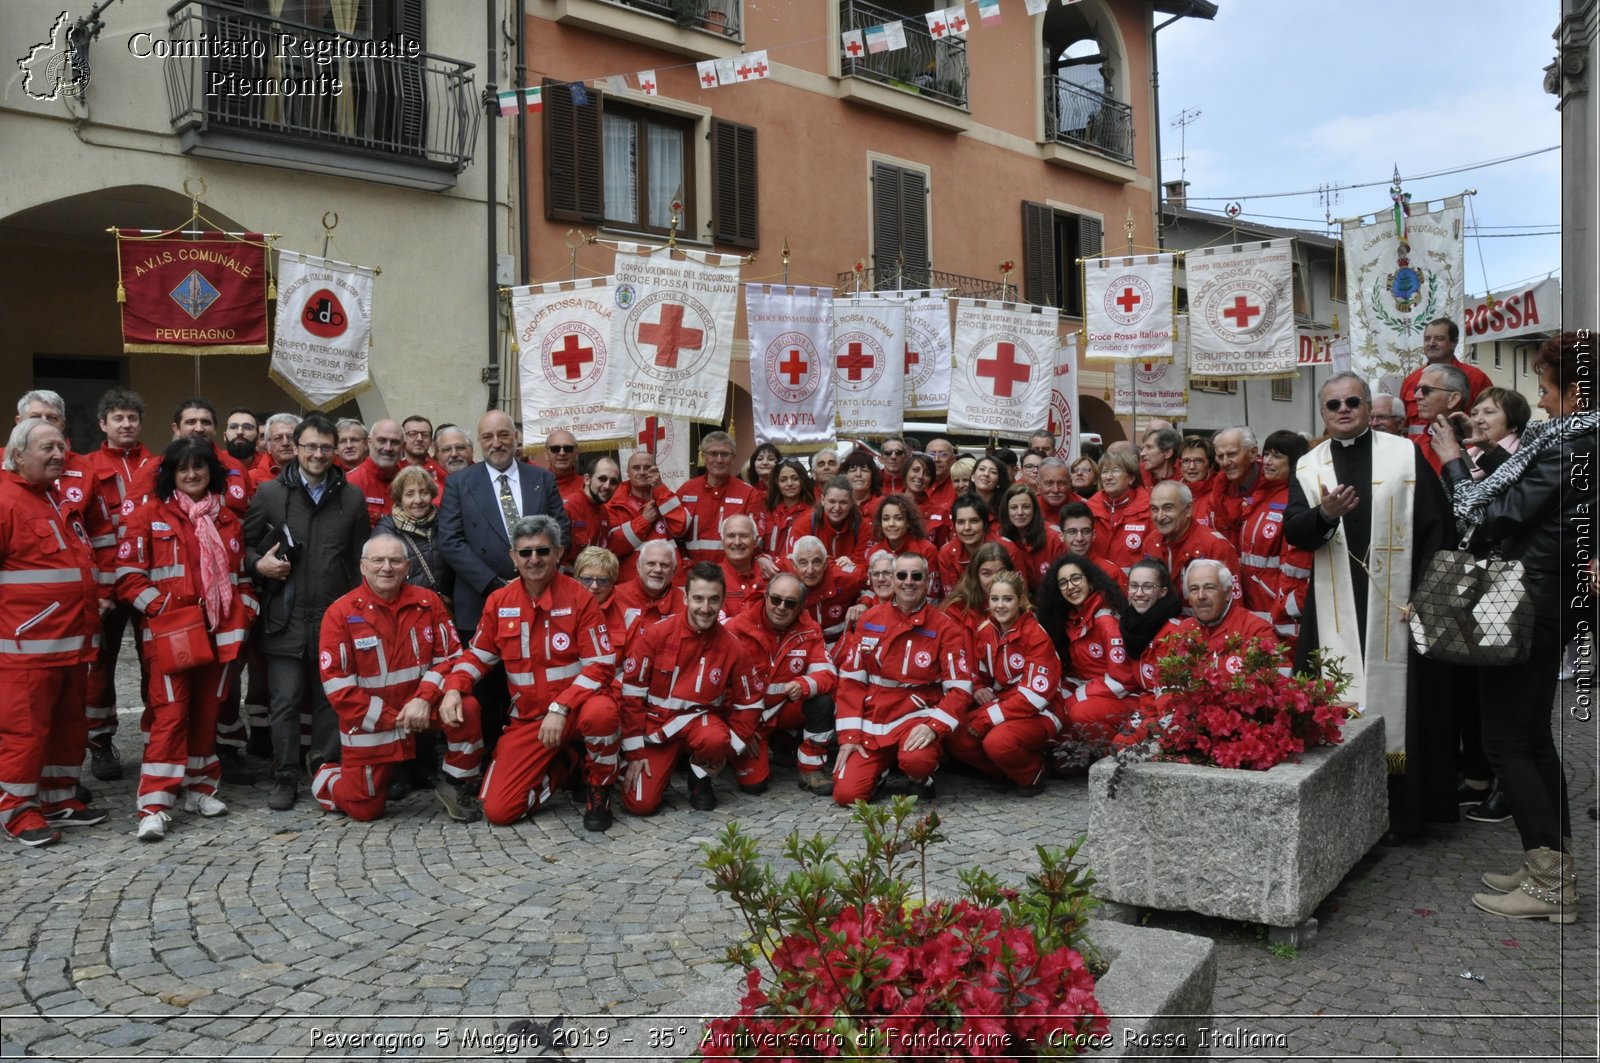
(559, 662)
(1442, 391)
(1439, 341)
(894, 455)
(904, 686)
(561, 458)
(1372, 512)
(587, 509)
(798, 680)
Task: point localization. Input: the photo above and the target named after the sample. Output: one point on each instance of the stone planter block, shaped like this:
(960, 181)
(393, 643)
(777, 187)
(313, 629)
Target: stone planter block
(1255, 846)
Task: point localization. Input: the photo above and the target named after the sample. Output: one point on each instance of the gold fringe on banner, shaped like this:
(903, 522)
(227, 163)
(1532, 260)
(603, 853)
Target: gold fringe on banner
(343, 397)
(1396, 762)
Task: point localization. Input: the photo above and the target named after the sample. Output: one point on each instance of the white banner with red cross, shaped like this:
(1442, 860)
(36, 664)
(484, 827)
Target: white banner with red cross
(1004, 367)
(791, 364)
(672, 331)
(567, 361)
(668, 439)
(928, 347)
(1065, 422)
(1128, 309)
(1155, 389)
(869, 345)
(1241, 308)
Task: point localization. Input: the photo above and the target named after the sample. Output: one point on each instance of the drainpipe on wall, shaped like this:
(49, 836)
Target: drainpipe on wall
(526, 255)
(491, 371)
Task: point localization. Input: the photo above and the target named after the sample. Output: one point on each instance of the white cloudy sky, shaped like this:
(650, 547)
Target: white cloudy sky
(1295, 94)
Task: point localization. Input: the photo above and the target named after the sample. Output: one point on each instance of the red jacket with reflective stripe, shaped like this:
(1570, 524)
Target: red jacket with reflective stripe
(158, 568)
(556, 648)
(126, 479)
(904, 669)
(674, 673)
(1197, 541)
(630, 530)
(1121, 528)
(80, 498)
(375, 656)
(49, 614)
(707, 506)
(590, 524)
(373, 483)
(839, 542)
(783, 657)
(630, 599)
(1022, 668)
(1269, 566)
(954, 557)
(1094, 635)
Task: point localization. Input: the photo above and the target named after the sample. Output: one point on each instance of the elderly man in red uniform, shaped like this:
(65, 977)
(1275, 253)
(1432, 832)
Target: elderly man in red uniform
(1439, 341)
(373, 476)
(1235, 498)
(904, 687)
(649, 598)
(559, 664)
(799, 680)
(1208, 584)
(384, 652)
(646, 511)
(712, 498)
(561, 458)
(744, 579)
(1178, 539)
(830, 590)
(588, 509)
(688, 686)
(50, 617)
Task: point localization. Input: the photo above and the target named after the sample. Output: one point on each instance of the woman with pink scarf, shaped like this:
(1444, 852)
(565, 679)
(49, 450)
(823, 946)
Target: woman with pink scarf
(182, 558)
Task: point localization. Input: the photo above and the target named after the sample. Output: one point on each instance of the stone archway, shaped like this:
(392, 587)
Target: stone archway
(1097, 417)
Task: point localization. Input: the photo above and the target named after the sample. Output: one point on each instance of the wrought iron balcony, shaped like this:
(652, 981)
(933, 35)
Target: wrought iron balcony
(1087, 119)
(715, 16)
(900, 278)
(936, 69)
(276, 84)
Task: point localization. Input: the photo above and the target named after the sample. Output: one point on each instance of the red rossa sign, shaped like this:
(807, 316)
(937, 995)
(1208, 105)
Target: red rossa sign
(1509, 314)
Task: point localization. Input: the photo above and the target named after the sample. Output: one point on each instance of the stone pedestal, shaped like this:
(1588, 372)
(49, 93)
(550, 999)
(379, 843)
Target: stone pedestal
(1256, 846)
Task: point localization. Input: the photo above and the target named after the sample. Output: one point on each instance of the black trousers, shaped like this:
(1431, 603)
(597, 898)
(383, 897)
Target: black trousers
(292, 681)
(1516, 702)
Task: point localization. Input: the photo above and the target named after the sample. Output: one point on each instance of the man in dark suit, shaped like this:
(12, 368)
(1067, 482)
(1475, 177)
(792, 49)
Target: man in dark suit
(480, 504)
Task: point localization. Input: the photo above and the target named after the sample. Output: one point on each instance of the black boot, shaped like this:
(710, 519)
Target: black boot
(283, 794)
(597, 816)
(702, 796)
(235, 772)
(104, 762)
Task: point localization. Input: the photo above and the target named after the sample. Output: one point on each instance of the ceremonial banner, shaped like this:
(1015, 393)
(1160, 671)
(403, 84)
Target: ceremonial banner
(204, 293)
(323, 336)
(669, 438)
(791, 362)
(1400, 281)
(928, 347)
(1128, 311)
(1163, 387)
(673, 333)
(1523, 311)
(1064, 417)
(1005, 365)
(567, 362)
(1241, 305)
(869, 343)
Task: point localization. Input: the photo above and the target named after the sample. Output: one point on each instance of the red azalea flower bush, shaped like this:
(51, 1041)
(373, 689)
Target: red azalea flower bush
(855, 968)
(1238, 709)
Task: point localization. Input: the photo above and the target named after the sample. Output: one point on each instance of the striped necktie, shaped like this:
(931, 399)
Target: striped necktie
(508, 503)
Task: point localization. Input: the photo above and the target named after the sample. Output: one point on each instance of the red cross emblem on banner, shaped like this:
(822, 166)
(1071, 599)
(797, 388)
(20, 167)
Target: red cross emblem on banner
(1004, 369)
(912, 358)
(938, 29)
(854, 48)
(1128, 300)
(572, 356)
(793, 367)
(708, 79)
(745, 71)
(760, 68)
(1241, 311)
(669, 336)
(856, 361)
(653, 433)
(647, 87)
(958, 25)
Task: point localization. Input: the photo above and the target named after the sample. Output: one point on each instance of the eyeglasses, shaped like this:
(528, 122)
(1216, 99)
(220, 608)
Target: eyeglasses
(783, 603)
(1425, 390)
(713, 455)
(561, 448)
(893, 453)
(316, 448)
(880, 574)
(595, 581)
(527, 551)
(1074, 580)
(1143, 588)
(386, 562)
(1350, 402)
(914, 577)
(418, 433)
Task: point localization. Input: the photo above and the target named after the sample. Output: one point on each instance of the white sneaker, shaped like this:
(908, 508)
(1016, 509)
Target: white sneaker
(153, 826)
(205, 804)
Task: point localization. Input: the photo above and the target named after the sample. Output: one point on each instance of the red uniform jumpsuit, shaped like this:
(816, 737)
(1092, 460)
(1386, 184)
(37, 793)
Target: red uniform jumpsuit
(954, 557)
(829, 601)
(685, 690)
(904, 669)
(846, 542)
(241, 489)
(630, 601)
(1264, 557)
(373, 483)
(1196, 542)
(630, 530)
(590, 525)
(431, 466)
(158, 568)
(1096, 675)
(797, 655)
(743, 588)
(1033, 564)
(49, 630)
(936, 522)
(1121, 527)
(923, 548)
(376, 656)
(778, 522)
(124, 480)
(557, 651)
(1007, 736)
(707, 507)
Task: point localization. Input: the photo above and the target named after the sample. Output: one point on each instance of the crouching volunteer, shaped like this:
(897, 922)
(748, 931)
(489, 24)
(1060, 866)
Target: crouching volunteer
(559, 665)
(181, 564)
(385, 650)
(786, 646)
(903, 688)
(688, 686)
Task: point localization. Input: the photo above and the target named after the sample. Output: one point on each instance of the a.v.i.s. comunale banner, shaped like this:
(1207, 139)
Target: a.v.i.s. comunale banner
(567, 363)
(196, 293)
(791, 362)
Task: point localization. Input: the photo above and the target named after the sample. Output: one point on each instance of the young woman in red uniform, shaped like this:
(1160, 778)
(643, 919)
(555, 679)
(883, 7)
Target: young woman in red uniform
(1080, 607)
(789, 497)
(897, 528)
(968, 602)
(1024, 526)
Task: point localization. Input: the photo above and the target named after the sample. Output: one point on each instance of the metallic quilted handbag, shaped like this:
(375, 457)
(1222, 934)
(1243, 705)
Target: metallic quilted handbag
(1472, 610)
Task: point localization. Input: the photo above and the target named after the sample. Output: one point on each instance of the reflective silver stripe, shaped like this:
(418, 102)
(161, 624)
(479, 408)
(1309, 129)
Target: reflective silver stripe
(374, 712)
(42, 575)
(874, 728)
(127, 570)
(165, 771)
(631, 690)
(1295, 571)
(329, 686)
(704, 544)
(143, 599)
(431, 676)
(586, 683)
(161, 572)
(1116, 688)
(608, 760)
(810, 761)
(847, 723)
(859, 675)
(669, 505)
(1260, 560)
(101, 541)
(250, 603)
(896, 684)
(27, 646)
(368, 741)
(1034, 699)
(19, 789)
(228, 638)
(679, 722)
(630, 744)
(995, 714)
(389, 679)
(105, 579)
(551, 674)
(628, 534)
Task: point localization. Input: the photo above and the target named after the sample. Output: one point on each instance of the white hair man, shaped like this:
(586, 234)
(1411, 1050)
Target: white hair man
(1179, 539)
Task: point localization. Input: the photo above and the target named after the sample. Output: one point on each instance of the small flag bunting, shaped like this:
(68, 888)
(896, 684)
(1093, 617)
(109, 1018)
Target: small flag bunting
(708, 73)
(728, 69)
(617, 83)
(580, 95)
(877, 39)
(895, 33)
(534, 98)
(956, 19)
(647, 82)
(752, 67)
(1036, 7)
(507, 102)
(938, 25)
(989, 12)
(851, 43)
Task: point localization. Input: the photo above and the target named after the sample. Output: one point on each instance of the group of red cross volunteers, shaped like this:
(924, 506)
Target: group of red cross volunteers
(402, 606)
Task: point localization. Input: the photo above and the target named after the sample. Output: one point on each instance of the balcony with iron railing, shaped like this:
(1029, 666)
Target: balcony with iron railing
(910, 278)
(721, 17)
(286, 95)
(934, 69)
(1083, 118)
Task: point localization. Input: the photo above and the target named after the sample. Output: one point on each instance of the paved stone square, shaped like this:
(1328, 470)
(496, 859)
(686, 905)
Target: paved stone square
(303, 935)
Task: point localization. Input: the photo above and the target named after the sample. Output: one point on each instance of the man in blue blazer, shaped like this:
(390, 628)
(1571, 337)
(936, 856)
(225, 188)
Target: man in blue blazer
(479, 503)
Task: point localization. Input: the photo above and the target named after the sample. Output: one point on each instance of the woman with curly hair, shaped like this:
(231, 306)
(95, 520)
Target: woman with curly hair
(789, 496)
(1023, 524)
(1080, 607)
(968, 601)
(866, 480)
(897, 528)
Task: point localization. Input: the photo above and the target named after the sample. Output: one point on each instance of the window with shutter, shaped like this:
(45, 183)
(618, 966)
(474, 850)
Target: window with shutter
(899, 227)
(572, 163)
(1052, 243)
(734, 215)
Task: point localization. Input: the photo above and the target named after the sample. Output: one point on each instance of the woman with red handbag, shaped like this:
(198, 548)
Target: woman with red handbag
(181, 564)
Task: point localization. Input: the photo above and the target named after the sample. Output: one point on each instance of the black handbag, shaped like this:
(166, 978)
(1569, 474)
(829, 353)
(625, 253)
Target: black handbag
(1472, 610)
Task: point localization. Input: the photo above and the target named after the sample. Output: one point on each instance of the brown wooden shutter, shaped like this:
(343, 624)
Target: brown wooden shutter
(1038, 254)
(914, 238)
(899, 226)
(886, 227)
(411, 114)
(734, 214)
(572, 161)
(1091, 240)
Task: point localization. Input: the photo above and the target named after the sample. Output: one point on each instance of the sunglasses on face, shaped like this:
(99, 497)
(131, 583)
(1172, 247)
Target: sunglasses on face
(783, 603)
(1350, 402)
(529, 551)
(594, 581)
(561, 448)
(1425, 390)
(914, 577)
(893, 453)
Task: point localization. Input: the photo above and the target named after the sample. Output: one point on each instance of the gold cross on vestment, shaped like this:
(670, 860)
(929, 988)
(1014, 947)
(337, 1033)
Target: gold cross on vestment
(1384, 566)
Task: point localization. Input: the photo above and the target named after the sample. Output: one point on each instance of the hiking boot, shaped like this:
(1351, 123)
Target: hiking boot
(816, 782)
(458, 804)
(702, 795)
(104, 764)
(283, 793)
(236, 771)
(597, 816)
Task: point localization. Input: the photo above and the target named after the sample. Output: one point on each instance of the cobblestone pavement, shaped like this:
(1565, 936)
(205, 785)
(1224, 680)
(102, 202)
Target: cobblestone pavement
(277, 934)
